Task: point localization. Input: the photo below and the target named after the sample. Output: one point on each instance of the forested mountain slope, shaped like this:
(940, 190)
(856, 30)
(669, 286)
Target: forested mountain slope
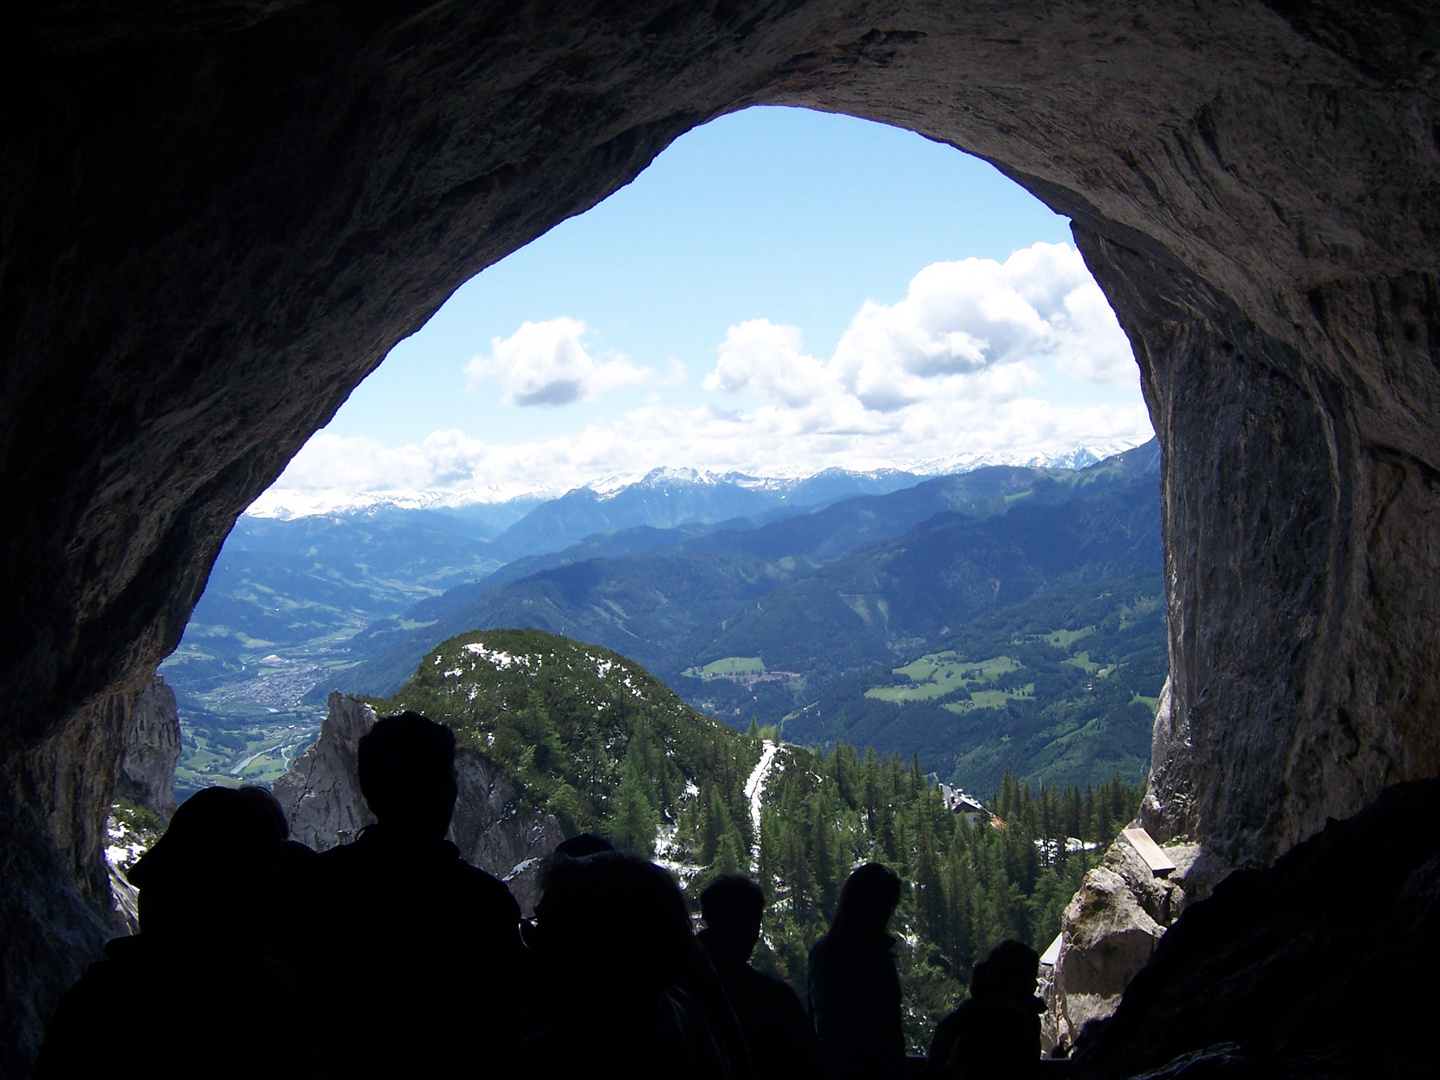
(769, 623)
(585, 734)
(616, 600)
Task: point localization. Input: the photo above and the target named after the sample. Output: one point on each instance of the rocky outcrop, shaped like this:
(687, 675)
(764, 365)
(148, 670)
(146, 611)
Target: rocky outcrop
(1322, 965)
(1110, 930)
(152, 749)
(321, 797)
(144, 790)
(320, 794)
(199, 264)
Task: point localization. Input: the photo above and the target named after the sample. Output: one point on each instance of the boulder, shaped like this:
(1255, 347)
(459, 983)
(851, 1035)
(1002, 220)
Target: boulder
(1321, 965)
(1110, 930)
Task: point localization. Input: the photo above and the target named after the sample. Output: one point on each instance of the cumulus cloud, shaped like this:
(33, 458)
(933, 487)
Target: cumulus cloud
(547, 363)
(959, 320)
(951, 375)
(761, 357)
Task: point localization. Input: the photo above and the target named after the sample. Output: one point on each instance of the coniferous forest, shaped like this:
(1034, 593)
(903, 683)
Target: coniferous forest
(593, 738)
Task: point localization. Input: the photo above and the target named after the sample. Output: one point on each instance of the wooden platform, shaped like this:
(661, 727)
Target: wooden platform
(1151, 852)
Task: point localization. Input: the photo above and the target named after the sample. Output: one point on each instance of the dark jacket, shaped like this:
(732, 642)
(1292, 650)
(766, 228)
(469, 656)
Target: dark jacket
(428, 947)
(854, 993)
(779, 1035)
(988, 1040)
(155, 1005)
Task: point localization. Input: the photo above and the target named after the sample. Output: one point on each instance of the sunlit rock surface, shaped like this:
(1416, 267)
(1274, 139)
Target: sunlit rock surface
(1110, 930)
(152, 748)
(321, 797)
(218, 218)
(320, 793)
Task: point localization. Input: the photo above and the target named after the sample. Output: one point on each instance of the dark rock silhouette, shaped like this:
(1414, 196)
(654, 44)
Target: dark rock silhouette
(1321, 965)
(427, 947)
(196, 276)
(611, 940)
(854, 989)
(995, 1033)
(778, 1034)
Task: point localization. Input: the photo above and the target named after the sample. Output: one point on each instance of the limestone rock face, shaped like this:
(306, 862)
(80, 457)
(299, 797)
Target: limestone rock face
(320, 793)
(1109, 932)
(219, 218)
(152, 748)
(1321, 965)
(321, 798)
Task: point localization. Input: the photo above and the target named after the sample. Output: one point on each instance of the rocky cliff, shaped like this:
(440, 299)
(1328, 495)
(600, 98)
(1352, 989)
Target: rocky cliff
(1322, 965)
(144, 792)
(321, 797)
(1110, 930)
(152, 748)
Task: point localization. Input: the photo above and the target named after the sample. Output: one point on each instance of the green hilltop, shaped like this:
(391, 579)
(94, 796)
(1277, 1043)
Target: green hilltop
(592, 736)
(586, 733)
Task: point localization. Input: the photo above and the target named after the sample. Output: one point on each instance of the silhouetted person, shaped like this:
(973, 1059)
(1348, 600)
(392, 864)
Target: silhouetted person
(995, 1033)
(582, 844)
(612, 937)
(201, 963)
(854, 988)
(776, 1030)
(427, 946)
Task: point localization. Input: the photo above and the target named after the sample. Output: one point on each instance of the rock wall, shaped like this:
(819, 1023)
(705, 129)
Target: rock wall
(320, 793)
(321, 798)
(218, 219)
(1322, 965)
(1110, 930)
(152, 749)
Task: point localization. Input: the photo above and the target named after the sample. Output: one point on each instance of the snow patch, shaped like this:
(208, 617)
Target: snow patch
(755, 792)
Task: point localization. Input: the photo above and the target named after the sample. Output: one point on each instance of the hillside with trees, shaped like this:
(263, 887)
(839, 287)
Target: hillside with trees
(596, 739)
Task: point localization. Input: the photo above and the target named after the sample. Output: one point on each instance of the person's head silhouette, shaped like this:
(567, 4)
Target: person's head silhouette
(582, 844)
(733, 907)
(867, 901)
(407, 775)
(1009, 973)
(614, 928)
(213, 863)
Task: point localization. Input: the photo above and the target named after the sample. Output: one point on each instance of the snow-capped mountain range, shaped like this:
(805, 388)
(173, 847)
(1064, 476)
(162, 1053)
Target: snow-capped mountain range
(483, 502)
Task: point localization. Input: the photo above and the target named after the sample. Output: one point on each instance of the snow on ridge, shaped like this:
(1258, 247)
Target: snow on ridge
(287, 504)
(1079, 456)
(755, 792)
(498, 657)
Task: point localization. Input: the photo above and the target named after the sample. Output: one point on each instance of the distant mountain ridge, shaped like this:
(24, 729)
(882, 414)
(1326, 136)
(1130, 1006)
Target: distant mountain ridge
(510, 501)
(352, 599)
(843, 593)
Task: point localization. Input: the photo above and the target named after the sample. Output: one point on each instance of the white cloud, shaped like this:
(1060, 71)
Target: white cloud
(958, 319)
(546, 363)
(760, 357)
(955, 372)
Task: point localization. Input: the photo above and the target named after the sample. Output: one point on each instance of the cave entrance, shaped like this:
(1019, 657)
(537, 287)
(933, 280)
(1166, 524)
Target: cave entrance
(223, 221)
(844, 295)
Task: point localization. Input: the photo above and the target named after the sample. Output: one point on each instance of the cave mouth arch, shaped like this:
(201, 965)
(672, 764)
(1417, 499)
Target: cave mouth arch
(738, 223)
(219, 221)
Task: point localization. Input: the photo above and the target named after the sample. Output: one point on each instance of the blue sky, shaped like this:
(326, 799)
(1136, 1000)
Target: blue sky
(780, 291)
